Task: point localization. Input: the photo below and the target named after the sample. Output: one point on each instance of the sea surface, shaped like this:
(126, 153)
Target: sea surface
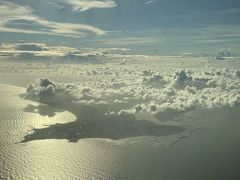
(210, 153)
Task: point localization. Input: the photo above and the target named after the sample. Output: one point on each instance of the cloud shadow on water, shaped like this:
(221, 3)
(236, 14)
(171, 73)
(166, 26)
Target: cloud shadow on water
(92, 123)
(42, 109)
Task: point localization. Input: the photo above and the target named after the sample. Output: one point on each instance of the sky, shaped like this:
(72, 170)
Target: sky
(144, 26)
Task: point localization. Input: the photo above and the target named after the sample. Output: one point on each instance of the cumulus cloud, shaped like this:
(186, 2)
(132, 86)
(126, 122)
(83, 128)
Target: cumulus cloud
(181, 92)
(182, 78)
(153, 79)
(13, 15)
(48, 91)
(223, 54)
(190, 91)
(149, 92)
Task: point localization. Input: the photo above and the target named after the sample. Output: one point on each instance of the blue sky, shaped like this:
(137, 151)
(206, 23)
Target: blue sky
(145, 26)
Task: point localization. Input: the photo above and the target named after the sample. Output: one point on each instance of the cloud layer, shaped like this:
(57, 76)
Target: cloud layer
(157, 96)
(32, 51)
(159, 90)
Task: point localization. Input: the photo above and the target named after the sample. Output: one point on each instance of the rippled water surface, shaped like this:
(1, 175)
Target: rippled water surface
(208, 153)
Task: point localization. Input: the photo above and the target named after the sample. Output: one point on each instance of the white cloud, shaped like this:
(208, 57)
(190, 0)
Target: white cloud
(161, 91)
(83, 5)
(30, 47)
(154, 79)
(220, 88)
(150, 2)
(157, 90)
(12, 14)
(48, 91)
(34, 51)
(222, 54)
(10, 10)
(131, 41)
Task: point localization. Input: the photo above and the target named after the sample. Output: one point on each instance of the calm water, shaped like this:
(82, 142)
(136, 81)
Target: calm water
(209, 153)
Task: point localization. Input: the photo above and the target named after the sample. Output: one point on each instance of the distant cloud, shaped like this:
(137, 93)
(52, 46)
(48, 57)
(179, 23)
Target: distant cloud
(40, 50)
(227, 11)
(83, 5)
(131, 41)
(13, 15)
(223, 53)
(150, 2)
(31, 47)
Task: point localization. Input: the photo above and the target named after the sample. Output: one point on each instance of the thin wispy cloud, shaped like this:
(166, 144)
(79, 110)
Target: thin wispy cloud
(13, 15)
(227, 11)
(131, 41)
(83, 5)
(150, 2)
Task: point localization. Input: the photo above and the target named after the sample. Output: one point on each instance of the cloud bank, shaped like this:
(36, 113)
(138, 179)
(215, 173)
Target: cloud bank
(33, 51)
(149, 94)
(163, 92)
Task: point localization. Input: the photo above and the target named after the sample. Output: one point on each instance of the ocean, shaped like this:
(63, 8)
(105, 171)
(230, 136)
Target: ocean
(208, 153)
